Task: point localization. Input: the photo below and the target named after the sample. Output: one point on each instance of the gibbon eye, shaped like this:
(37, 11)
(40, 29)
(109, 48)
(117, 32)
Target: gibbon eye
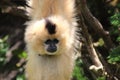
(48, 41)
(55, 40)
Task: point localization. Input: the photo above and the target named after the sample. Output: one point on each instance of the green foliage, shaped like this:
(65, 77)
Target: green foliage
(3, 49)
(114, 56)
(78, 72)
(18, 54)
(23, 55)
(20, 77)
(115, 21)
(101, 42)
(101, 78)
(118, 39)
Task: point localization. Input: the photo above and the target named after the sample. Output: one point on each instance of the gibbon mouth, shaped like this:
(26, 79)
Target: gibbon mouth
(47, 54)
(52, 50)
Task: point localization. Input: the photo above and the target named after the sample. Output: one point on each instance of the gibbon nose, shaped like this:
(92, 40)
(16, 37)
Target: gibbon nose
(52, 48)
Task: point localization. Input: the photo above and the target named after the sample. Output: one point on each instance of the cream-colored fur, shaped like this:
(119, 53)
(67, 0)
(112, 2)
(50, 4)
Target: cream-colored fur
(40, 65)
(44, 8)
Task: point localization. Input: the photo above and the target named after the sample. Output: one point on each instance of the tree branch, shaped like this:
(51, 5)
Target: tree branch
(95, 24)
(85, 16)
(88, 42)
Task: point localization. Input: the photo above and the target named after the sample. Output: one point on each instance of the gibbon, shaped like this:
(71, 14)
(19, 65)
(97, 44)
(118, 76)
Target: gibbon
(50, 39)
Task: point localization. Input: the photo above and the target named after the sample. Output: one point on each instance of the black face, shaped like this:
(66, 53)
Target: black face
(51, 45)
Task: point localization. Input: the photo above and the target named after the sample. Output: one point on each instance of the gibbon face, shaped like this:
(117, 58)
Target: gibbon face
(50, 36)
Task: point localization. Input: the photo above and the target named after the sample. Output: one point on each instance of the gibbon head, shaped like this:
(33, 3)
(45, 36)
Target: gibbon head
(50, 36)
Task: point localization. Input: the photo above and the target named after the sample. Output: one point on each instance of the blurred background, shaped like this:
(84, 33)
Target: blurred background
(12, 47)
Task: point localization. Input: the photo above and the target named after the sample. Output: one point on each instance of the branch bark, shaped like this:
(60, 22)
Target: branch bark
(95, 24)
(8, 6)
(85, 16)
(88, 43)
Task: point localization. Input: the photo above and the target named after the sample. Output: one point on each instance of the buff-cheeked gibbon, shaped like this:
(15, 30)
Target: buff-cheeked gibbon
(50, 39)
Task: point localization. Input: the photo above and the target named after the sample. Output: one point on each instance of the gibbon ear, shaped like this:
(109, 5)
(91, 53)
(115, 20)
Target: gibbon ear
(50, 27)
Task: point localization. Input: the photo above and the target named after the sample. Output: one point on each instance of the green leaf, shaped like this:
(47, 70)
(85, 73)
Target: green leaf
(78, 72)
(118, 39)
(20, 53)
(101, 42)
(115, 23)
(114, 56)
(20, 77)
(23, 55)
(101, 78)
